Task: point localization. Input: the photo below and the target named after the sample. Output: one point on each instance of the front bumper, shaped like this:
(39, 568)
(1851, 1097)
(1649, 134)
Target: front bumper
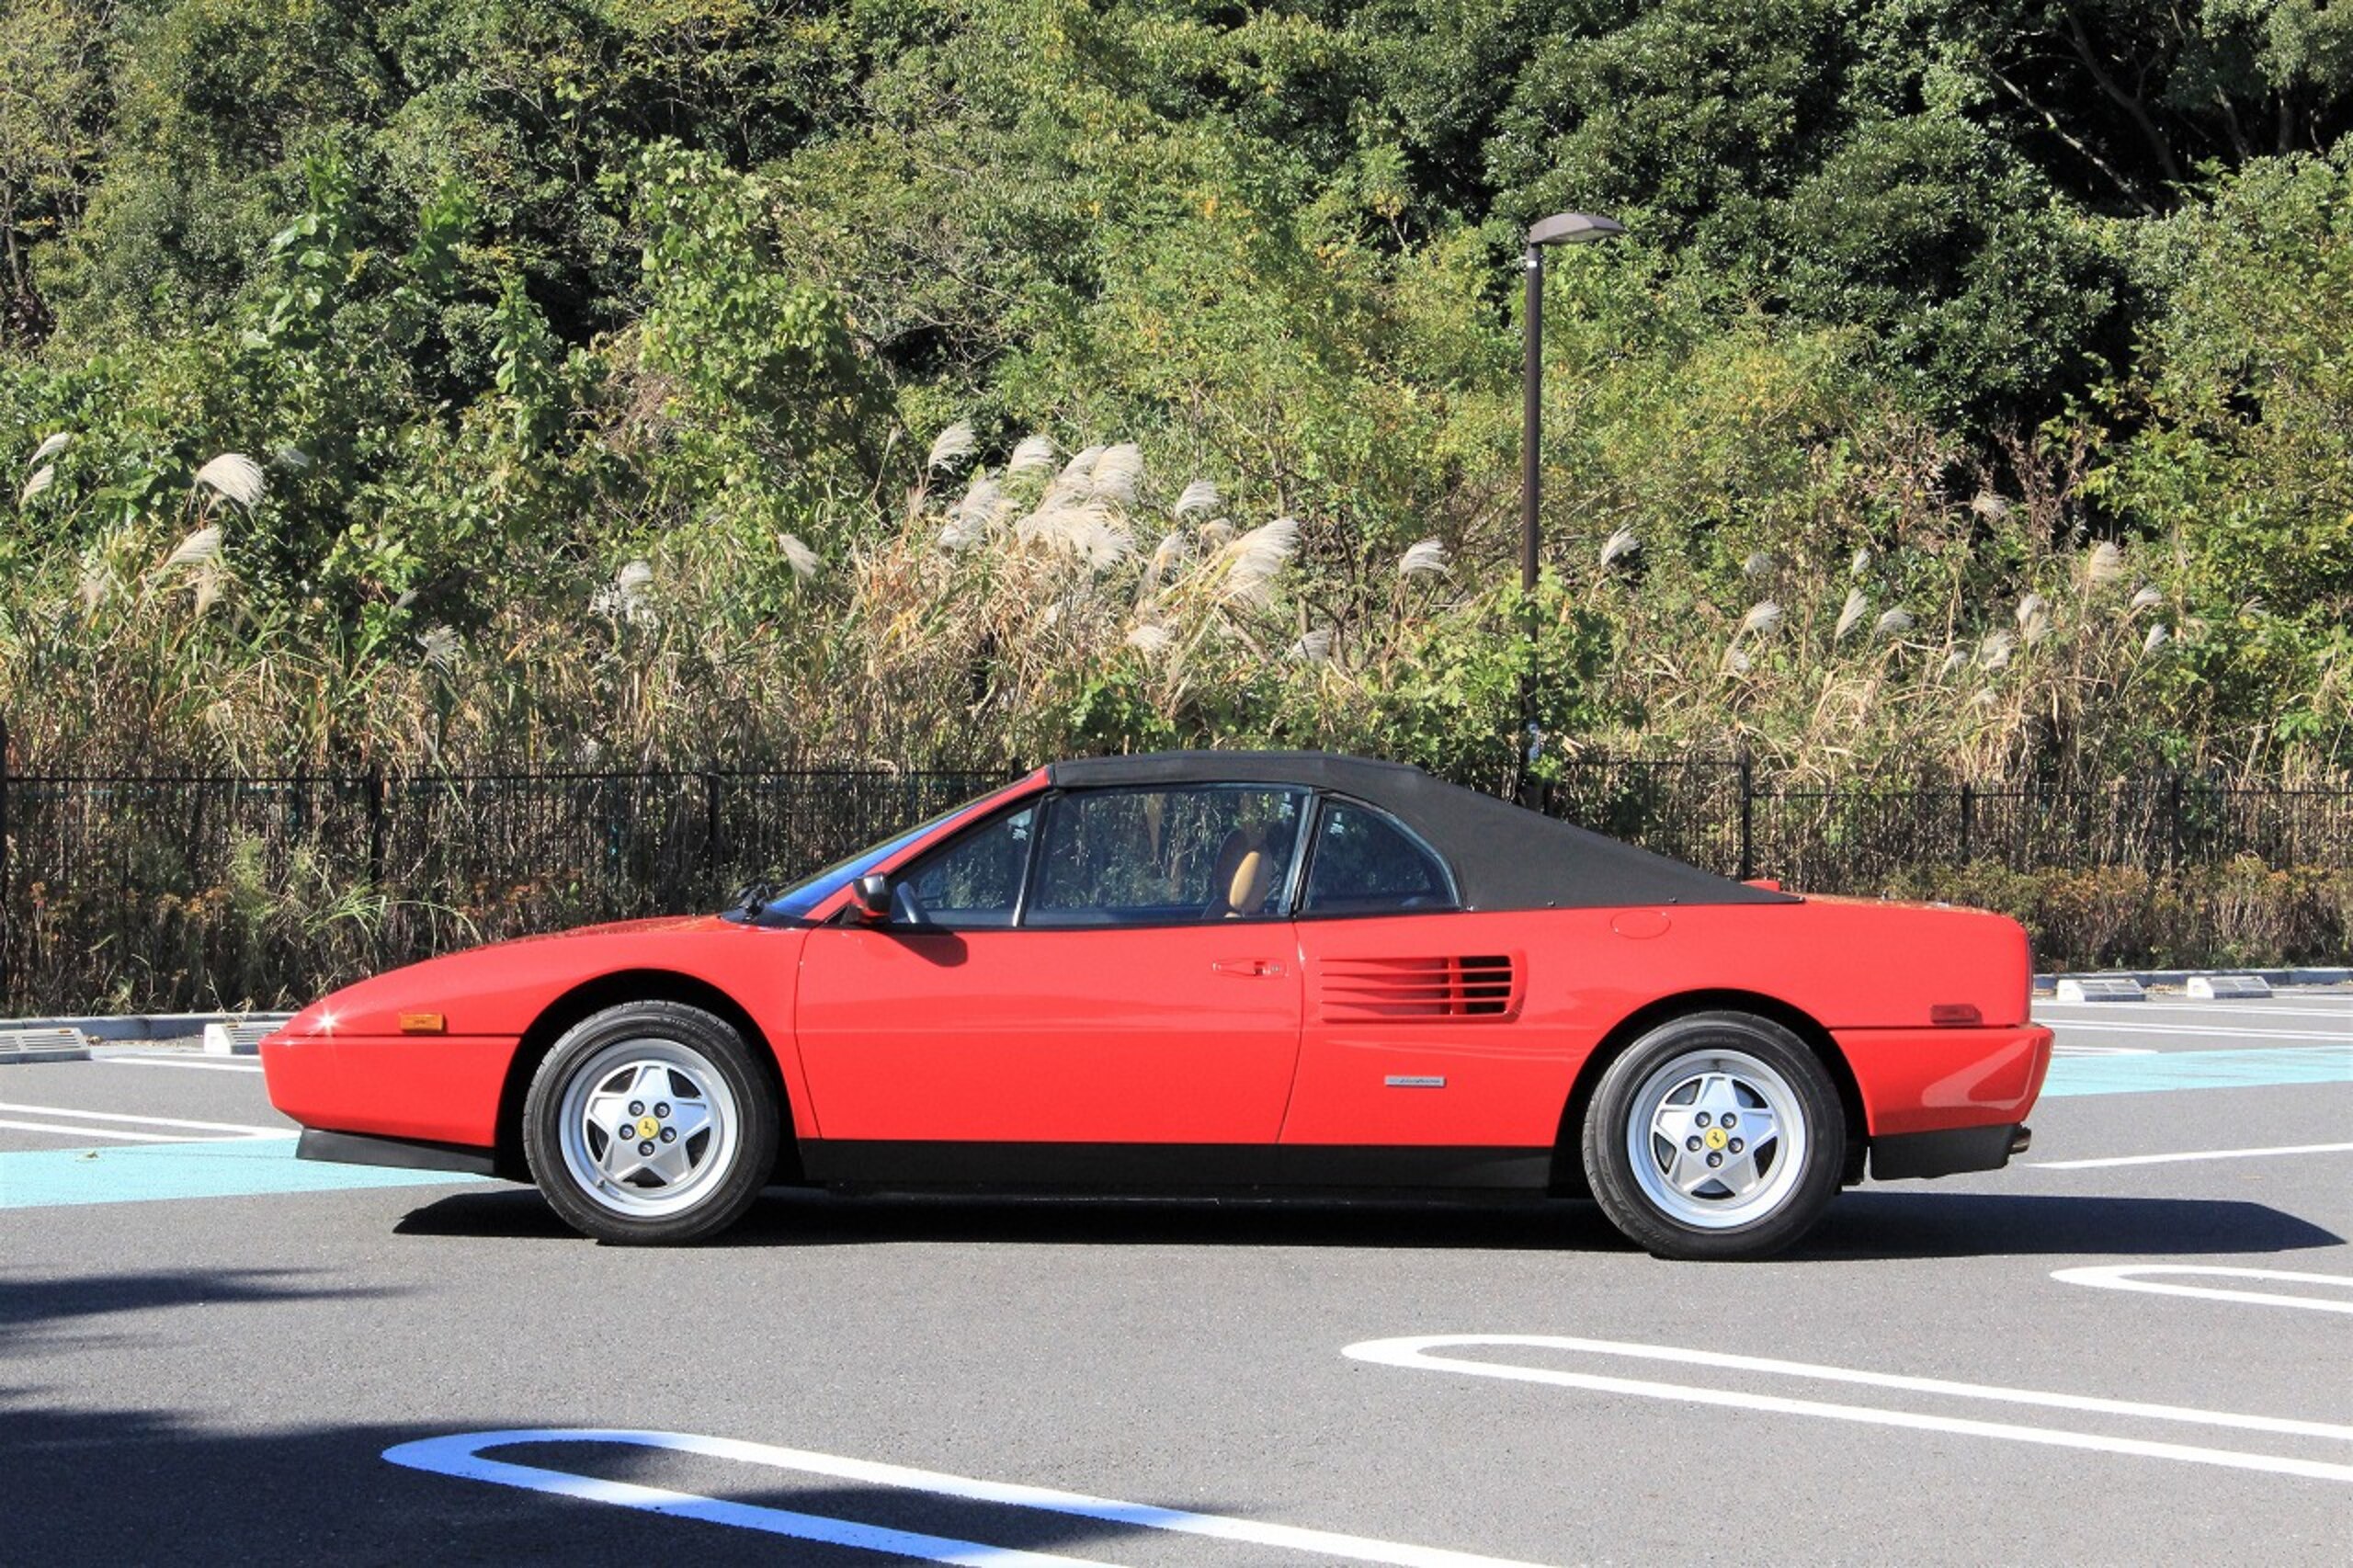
(401, 1154)
(429, 1088)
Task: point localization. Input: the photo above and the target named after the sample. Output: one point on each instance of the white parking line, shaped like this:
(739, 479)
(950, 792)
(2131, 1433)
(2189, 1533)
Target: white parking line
(2332, 1037)
(1416, 1352)
(100, 1132)
(2192, 1154)
(241, 1129)
(2103, 1050)
(2132, 1276)
(2231, 1009)
(461, 1456)
(183, 1061)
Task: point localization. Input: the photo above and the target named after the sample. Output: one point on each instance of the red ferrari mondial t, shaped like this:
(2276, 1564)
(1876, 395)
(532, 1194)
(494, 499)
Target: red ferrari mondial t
(1206, 972)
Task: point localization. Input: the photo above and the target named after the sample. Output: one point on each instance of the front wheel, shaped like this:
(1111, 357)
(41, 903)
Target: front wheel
(650, 1123)
(1717, 1135)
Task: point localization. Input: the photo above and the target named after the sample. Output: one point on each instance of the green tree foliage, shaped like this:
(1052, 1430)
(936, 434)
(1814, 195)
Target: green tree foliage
(679, 377)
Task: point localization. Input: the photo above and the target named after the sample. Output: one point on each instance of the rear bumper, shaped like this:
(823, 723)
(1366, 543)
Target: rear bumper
(1938, 1080)
(1950, 1152)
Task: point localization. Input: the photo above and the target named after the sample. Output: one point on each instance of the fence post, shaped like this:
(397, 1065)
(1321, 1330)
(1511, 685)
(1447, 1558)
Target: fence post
(2172, 810)
(1747, 815)
(376, 825)
(1968, 816)
(7, 905)
(710, 824)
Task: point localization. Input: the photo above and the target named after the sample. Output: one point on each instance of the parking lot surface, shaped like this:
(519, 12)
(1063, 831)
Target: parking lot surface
(2132, 1345)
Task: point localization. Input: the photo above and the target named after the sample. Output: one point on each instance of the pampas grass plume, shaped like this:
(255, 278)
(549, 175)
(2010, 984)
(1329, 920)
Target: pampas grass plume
(197, 548)
(950, 447)
(1426, 556)
(1201, 498)
(1857, 606)
(798, 555)
(1117, 473)
(234, 476)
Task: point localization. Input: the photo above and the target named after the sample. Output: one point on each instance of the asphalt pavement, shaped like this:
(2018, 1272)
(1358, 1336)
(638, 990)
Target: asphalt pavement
(2134, 1346)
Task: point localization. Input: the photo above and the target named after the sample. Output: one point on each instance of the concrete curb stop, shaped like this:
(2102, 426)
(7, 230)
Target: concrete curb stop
(2229, 987)
(2179, 979)
(132, 1027)
(42, 1043)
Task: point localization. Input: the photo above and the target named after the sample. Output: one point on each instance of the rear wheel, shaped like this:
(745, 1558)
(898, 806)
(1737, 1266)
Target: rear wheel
(1718, 1135)
(649, 1123)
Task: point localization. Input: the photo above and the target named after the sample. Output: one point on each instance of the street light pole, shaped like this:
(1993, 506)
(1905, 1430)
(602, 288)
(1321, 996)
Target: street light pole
(1560, 229)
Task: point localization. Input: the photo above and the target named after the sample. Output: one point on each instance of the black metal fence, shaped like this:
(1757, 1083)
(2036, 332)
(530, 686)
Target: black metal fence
(180, 890)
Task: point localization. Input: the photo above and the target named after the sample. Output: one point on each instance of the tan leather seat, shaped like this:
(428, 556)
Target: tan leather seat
(1243, 877)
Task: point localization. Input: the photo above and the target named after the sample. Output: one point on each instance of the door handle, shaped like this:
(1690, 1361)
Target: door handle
(1247, 967)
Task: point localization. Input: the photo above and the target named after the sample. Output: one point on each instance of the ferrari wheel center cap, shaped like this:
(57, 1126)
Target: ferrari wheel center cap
(1716, 1138)
(647, 1127)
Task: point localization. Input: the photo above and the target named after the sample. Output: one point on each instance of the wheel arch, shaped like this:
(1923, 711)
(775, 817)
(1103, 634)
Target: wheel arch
(612, 990)
(1568, 1168)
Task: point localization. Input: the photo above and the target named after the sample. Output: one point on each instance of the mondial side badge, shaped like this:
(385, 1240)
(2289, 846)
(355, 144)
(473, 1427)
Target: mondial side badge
(1413, 1081)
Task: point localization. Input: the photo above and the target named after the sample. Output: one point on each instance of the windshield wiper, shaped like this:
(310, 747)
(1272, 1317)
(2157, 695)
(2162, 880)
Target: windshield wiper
(753, 897)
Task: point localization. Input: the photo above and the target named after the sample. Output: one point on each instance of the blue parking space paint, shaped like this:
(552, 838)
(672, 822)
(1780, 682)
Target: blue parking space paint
(224, 1167)
(2170, 1070)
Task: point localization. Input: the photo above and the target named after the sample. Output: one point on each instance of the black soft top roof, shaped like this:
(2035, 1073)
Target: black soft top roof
(1504, 856)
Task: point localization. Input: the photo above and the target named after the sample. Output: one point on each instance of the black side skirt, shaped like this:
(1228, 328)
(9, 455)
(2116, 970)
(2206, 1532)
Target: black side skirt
(1171, 1167)
(402, 1154)
(1946, 1153)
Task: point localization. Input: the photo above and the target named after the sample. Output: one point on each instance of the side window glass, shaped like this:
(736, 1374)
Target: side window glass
(974, 882)
(1364, 863)
(1160, 857)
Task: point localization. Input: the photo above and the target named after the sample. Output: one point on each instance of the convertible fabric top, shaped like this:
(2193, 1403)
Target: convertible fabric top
(1504, 856)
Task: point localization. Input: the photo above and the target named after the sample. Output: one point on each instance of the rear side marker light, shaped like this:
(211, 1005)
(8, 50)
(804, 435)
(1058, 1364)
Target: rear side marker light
(424, 1023)
(1961, 1014)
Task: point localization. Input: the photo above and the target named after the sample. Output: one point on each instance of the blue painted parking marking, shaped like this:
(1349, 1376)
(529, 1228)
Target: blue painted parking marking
(2162, 1071)
(229, 1167)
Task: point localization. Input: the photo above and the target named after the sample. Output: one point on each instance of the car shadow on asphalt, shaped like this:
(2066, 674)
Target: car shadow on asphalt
(161, 1487)
(1862, 1224)
(31, 1306)
(786, 1217)
(1918, 1223)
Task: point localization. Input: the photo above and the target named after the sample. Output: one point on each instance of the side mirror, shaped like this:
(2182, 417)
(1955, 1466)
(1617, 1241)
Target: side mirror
(871, 896)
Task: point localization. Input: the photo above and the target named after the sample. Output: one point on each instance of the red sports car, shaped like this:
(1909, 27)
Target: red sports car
(1203, 971)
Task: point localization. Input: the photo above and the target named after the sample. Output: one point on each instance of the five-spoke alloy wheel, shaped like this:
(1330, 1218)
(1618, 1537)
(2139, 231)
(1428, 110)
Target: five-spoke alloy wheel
(651, 1122)
(1716, 1135)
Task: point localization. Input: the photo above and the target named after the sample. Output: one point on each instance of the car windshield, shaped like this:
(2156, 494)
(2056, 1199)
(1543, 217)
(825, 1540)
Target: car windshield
(797, 901)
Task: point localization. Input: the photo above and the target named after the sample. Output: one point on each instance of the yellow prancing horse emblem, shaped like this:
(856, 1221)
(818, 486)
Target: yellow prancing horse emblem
(647, 1127)
(1716, 1138)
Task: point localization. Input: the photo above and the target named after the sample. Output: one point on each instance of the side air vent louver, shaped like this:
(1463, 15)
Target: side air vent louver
(1482, 986)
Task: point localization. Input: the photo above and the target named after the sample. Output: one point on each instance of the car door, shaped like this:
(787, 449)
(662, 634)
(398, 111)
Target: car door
(1417, 1066)
(1099, 987)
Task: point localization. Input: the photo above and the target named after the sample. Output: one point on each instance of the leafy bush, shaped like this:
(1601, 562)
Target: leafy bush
(2240, 914)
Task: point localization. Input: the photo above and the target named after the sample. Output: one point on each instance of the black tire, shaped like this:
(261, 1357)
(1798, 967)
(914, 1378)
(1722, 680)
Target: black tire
(1682, 1097)
(700, 1134)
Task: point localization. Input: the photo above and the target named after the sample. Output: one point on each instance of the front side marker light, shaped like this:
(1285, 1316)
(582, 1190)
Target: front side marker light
(424, 1023)
(1963, 1014)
